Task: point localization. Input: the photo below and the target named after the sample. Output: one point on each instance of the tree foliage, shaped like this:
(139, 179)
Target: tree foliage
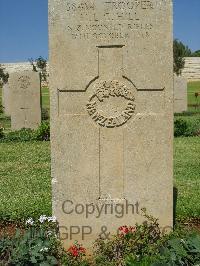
(3, 76)
(39, 65)
(196, 53)
(31, 61)
(42, 65)
(180, 51)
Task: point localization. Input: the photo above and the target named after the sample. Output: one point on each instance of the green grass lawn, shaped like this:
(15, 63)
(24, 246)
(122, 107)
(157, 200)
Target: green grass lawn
(45, 98)
(193, 87)
(187, 176)
(194, 116)
(5, 122)
(25, 182)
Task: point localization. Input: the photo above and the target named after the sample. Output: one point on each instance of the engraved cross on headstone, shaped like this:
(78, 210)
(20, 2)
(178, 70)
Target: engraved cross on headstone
(24, 110)
(111, 146)
(24, 84)
(114, 110)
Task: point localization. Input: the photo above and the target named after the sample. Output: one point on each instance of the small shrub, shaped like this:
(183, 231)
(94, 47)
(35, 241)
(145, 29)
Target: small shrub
(186, 128)
(75, 256)
(43, 132)
(197, 133)
(146, 261)
(137, 241)
(25, 134)
(1, 109)
(34, 247)
(21, 135)
(140, 245)
(1, 132)
(37, 244)
(180, 127)
(3, 76)
(180, 251)
(187, 113)
(145, 245)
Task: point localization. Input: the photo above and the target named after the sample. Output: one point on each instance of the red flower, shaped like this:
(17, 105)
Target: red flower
(124, 230)
(76, 250)
(82, 250)
(132, 229)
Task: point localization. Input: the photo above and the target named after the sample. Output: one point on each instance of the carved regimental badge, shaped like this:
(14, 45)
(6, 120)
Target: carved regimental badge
(112, 104)
(24, 82)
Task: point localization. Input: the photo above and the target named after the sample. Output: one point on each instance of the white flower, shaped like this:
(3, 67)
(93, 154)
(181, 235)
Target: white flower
(49, 233)
(30, 221)
(52, 219)
(43, 218)
(44, 249)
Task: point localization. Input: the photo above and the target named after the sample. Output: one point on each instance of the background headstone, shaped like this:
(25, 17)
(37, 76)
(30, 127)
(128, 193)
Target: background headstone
(25, 100)
(180, 94)
(24, 66)
(111, 79)
(6, 101)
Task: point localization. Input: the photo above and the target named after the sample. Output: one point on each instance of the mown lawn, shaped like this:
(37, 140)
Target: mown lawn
(45, 97)
(193, 87)
(187, 176)
(25, 182)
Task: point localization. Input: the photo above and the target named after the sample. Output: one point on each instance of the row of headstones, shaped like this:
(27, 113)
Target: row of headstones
(111, 85)
(21, 99)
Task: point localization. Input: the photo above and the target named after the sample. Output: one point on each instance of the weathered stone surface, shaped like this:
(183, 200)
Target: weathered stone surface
(6, 101)
(111, 85)
(25, 100)
(180, 94)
